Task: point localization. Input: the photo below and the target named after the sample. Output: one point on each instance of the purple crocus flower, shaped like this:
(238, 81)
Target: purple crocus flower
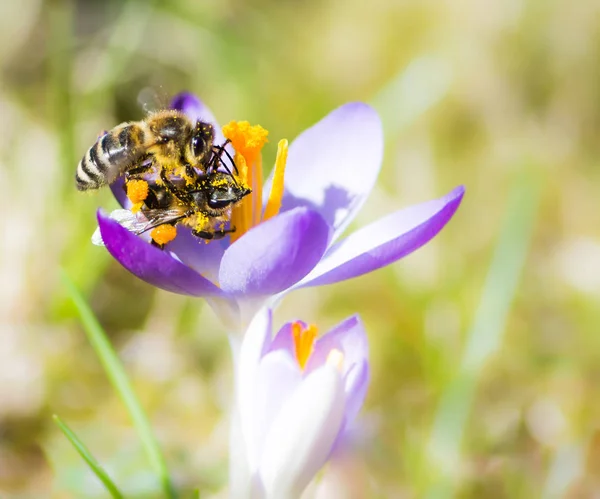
(331, 168)
(296, 396)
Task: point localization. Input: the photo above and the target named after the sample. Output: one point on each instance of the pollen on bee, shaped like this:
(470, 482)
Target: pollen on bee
(137, 207)
(137, 191)
(163, 234)
(201, 222)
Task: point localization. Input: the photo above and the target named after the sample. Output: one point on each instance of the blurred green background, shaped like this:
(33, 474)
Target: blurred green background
(484, 345)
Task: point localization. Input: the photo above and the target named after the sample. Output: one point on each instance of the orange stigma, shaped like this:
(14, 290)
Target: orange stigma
(163, 234)
(304, 342)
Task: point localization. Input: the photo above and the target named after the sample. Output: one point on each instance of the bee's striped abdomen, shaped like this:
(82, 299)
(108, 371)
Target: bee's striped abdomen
(110, 156)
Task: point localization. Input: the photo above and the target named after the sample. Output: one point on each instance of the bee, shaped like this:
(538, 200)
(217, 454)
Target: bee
(165, 138)
(204, 207)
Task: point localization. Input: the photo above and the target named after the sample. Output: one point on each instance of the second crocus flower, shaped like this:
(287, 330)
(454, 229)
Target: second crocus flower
(296, 395)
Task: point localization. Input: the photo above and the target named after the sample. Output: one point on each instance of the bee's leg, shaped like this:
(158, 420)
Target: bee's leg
(138, 170)
(217, 234)
(173, 189)
(203, 234)
(190, 172)
(156, 245)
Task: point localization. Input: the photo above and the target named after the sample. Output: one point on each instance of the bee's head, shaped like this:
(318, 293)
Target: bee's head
(222, 190)
(201, 142)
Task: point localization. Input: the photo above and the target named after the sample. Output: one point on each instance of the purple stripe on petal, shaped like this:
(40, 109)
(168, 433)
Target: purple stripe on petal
(150, 264)
(274, 255)
(333, 165)
(197, 110)
(385, 241)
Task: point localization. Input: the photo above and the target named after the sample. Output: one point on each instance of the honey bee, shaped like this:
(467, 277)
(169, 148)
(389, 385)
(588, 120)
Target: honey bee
(166, 138)
(178, 165)
(204, 207)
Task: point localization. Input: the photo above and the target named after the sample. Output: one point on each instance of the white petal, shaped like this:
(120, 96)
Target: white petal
(301, 437)
(279, 377)
(248, 362)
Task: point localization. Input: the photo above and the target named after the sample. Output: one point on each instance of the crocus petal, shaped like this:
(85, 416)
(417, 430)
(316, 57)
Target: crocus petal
(349, 337)
(252, 348)
(197, 110)
(118, 190)
(202, 256)
(274, 255)
(356, 382)
(284, 339)
(302, 435)
(333, 165)
(278, 378)
(150, 264)
(385, 241)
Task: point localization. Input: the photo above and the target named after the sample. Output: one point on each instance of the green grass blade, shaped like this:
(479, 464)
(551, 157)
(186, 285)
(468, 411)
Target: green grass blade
(483, 340)
(88, 458)
(120, 382)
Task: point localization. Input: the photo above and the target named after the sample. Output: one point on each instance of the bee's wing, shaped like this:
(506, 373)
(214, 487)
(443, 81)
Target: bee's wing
(154, 218)
(153, 99)
(140, 222)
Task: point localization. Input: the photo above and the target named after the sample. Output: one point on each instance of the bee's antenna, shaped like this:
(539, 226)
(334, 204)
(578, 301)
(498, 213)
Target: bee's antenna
(222, 150)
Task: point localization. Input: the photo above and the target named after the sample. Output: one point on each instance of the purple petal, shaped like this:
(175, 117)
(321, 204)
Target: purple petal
(197, 110)
(201, 255)
(385, 241)
(118, 190)
(348, 337)
(284, 339)
(355, 386)
(351, 339)
(333, 165)
(274, 255)
(150, 264)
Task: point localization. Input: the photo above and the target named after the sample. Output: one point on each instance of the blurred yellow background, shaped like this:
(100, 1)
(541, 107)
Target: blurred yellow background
(498, 317)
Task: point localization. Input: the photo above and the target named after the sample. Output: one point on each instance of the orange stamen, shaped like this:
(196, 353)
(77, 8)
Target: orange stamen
(163, 234)
(304, 342)
(257, 184)
(137, 191)
(238, 218)
(248, 142)
(276, 194)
